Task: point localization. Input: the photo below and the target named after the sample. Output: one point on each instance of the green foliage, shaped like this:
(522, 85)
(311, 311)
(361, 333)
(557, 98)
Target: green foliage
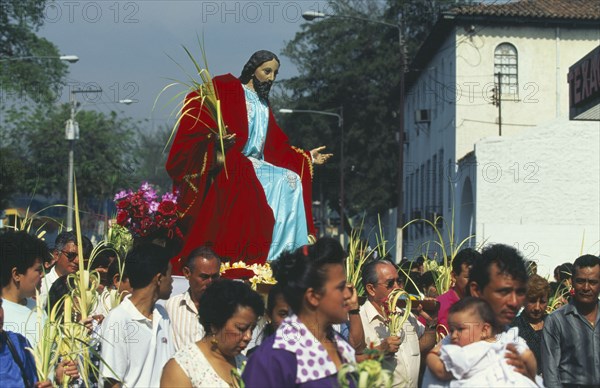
(112, 153)
(356, 64)
(11, 169)
(102, 164)
(149, 158)
(38, 79)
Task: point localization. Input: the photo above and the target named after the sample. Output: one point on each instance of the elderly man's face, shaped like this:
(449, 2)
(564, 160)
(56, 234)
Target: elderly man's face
(586, 283)
(67, 261)
(203, 272)
(387, 281)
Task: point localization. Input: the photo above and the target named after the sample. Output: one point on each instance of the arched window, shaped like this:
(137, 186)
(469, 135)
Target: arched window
(506, 63)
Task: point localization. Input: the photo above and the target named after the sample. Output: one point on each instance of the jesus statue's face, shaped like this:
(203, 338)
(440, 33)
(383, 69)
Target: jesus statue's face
(263, 78)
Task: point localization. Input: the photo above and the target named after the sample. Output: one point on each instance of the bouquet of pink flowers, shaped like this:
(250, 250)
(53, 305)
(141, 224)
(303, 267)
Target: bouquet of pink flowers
(143, 215)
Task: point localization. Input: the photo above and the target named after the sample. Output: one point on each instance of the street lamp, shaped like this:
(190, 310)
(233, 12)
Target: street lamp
(312, 15)
(69, 58)
(72, 134)
(340, 117)
(66, 58)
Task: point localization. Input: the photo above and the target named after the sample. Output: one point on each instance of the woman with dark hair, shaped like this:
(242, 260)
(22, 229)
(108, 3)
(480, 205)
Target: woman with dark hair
(277, 310)
(261, 178)
(427, 285)
(228, 312)
(305, 350)
(531, 320)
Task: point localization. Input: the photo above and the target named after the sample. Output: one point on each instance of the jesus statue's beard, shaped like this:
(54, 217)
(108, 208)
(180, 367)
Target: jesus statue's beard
(262, 88)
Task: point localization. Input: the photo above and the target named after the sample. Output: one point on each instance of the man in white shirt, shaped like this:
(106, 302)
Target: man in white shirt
(402, 352)
(201, 268)
(136, 335)
(66, 261)
(21, 258)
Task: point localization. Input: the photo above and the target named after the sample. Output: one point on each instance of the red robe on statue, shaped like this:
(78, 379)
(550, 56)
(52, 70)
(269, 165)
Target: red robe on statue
(229, 212)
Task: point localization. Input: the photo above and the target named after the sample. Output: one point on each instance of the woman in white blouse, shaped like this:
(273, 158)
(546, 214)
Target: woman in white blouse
(228, 312)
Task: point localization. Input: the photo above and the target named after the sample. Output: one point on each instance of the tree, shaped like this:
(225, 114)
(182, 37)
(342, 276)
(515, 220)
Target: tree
(356, 64)
(39, 77)
(29, 73)
(150, 157)
(102, 153)
(11, 169)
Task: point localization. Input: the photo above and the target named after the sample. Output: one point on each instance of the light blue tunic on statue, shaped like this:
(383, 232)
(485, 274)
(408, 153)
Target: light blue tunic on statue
(283, 188)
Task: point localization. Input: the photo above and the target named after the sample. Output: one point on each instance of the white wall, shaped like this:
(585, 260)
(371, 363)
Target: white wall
(544, 57)
(433, 91)
(454, 85)
(540, 191)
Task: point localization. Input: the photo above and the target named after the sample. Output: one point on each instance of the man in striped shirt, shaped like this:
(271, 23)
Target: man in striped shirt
(571, 334)
(201, 268)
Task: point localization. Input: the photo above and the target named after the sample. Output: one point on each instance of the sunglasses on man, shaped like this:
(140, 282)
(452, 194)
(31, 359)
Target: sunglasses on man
(70, 255)
(389, 284)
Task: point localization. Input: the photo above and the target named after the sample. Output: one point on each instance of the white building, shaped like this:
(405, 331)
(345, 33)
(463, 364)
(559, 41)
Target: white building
(519, 173)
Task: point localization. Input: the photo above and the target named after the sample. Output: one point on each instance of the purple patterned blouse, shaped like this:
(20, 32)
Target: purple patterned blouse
(293, 357)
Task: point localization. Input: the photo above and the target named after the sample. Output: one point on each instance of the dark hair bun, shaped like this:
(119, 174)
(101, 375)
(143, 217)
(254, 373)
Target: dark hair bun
(289, 266)
(306, 268)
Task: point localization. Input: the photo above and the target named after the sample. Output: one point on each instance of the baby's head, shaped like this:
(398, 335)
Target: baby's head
(470, 320)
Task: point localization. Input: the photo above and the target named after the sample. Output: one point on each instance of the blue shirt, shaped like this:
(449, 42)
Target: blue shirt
(10, 374)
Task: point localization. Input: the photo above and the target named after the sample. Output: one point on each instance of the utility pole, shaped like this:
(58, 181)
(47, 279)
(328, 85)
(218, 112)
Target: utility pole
(400, 183)
(72, 134)
(342, 163)
(311, 15)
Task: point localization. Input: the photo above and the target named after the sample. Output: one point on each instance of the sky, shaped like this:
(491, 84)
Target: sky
(124, 46)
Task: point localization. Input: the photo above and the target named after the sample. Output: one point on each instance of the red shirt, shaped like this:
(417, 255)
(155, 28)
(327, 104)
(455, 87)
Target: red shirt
(446, 301)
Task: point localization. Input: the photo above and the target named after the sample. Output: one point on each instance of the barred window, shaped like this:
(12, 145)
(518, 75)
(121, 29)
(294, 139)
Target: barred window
(506, 64)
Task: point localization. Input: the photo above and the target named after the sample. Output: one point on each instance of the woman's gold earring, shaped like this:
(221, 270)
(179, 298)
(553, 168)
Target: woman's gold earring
(214, 342)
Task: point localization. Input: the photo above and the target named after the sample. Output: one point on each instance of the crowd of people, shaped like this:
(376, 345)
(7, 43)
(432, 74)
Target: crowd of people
(245, 193)
(220, 332)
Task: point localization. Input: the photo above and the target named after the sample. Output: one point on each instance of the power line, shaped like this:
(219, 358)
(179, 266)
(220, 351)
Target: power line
(490, 122)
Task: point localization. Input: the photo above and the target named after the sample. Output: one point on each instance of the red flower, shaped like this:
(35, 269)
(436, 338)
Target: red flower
(123, 204)
(136, 200)
(133, 213)
(140, 210)
(168, 208)
(122, 217)
(169, 222)
(146, 225)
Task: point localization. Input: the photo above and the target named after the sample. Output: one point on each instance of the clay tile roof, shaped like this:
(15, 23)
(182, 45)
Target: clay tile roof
(549, 9)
